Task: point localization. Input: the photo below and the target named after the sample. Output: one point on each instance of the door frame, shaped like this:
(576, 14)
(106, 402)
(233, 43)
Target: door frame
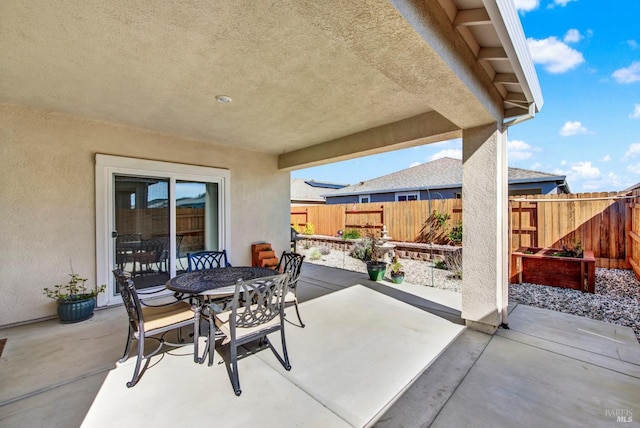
(107, 166)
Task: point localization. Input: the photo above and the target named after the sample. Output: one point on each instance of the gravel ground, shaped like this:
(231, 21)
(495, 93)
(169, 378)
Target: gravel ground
(616, 300)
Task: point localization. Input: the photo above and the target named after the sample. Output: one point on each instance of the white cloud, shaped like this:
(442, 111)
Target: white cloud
(585, 170)
(572, 36)
(632, 152)
(573, 128)
(607, 158)
(628, 75)
(562, 3)
(554, 55)
(519, 150)
(526, 5)
(635, 169)
(563, 162)
(633, 44)
(585, 177)
(536, 166)
(415, 164)
(636, 112)
(582, 175)
(447, 153)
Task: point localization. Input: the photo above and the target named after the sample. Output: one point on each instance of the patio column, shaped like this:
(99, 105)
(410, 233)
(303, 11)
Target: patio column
(485, 222)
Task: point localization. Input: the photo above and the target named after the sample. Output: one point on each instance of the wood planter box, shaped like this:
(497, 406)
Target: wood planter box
(539, 266)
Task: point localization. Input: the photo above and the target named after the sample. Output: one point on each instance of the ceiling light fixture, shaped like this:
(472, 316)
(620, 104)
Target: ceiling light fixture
(223, 99)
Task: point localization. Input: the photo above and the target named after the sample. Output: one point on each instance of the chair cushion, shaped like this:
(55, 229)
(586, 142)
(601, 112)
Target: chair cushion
(222, 322)
(162, 316)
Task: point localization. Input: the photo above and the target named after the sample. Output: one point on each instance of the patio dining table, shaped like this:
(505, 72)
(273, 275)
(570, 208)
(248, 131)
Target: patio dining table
(219, 281)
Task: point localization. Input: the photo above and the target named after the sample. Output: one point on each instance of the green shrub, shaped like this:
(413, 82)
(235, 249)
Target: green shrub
(315, 255)
(453, 262)
(352, 234)
(363, 249)
(455, 235)
(441, 219)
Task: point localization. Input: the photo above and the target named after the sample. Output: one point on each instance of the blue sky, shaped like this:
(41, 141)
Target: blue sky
(587, 57)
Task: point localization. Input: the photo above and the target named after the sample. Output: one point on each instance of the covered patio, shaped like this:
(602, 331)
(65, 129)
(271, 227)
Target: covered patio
(371, 354)
(112, 108)
(101, 103)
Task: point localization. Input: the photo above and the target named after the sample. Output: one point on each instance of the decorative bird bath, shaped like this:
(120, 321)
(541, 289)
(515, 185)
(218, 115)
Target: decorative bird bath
(383, 247)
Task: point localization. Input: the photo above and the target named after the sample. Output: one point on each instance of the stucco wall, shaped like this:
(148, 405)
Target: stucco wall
(47, 202)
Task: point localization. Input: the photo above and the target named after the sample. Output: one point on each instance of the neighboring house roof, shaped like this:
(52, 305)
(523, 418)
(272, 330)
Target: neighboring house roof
(631, 188)
(438, 174)
(311, 190)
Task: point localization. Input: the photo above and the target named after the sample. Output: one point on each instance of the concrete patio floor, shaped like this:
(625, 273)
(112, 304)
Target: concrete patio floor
(373, 353)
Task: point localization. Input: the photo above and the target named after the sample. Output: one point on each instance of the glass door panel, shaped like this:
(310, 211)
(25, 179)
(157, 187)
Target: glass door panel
(197, 219)
(142, 229)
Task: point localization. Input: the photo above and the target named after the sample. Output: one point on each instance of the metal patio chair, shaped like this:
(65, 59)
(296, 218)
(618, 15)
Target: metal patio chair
(207, 260)
(153, 253)
(146, 321)
(256, 311)
(291, 263)
(126, 246)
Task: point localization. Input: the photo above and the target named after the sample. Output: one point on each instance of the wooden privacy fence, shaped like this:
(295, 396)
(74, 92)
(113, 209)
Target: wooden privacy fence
(606, 223)
(154, 222)
(411, 221)
(633, 239)
(600, 222)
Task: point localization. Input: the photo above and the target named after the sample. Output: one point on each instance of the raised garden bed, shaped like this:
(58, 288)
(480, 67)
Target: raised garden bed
(547, 266)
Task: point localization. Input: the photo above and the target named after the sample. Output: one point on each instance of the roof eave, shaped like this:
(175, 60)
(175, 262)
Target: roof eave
(506, 21)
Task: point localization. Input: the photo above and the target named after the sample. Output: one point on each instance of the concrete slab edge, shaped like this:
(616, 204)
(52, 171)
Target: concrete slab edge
(603, 361)
(421, 402)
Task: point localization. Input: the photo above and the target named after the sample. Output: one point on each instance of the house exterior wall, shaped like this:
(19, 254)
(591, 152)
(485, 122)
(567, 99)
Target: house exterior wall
(544, 188)
(47, 198)
(440, 193)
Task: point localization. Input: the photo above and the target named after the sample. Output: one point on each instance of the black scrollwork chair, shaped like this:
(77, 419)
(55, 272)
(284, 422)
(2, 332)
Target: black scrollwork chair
(126, 245)
(154, 252)
(256, 311)
(146, 321)
(291, 263)
(207, 260)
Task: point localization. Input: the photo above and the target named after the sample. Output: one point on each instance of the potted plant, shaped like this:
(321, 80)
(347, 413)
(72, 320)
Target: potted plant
(75, 301)
(365, 250)
(376, 269)
(397, 274)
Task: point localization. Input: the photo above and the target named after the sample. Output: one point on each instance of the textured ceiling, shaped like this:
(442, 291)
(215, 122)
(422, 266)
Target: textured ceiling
(300, 73)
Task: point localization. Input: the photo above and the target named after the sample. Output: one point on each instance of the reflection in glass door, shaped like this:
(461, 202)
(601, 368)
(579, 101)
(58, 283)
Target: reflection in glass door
(142, 229)
(196, 219)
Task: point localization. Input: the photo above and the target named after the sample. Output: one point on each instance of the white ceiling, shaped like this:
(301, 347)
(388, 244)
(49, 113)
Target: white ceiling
(300, 73)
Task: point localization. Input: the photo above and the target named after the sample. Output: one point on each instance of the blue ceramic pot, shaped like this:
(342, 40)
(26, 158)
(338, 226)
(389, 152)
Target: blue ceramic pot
(76, 310)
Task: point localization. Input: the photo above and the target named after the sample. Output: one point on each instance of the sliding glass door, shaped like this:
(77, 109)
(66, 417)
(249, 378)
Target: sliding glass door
(150, 215)
(141, 229)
